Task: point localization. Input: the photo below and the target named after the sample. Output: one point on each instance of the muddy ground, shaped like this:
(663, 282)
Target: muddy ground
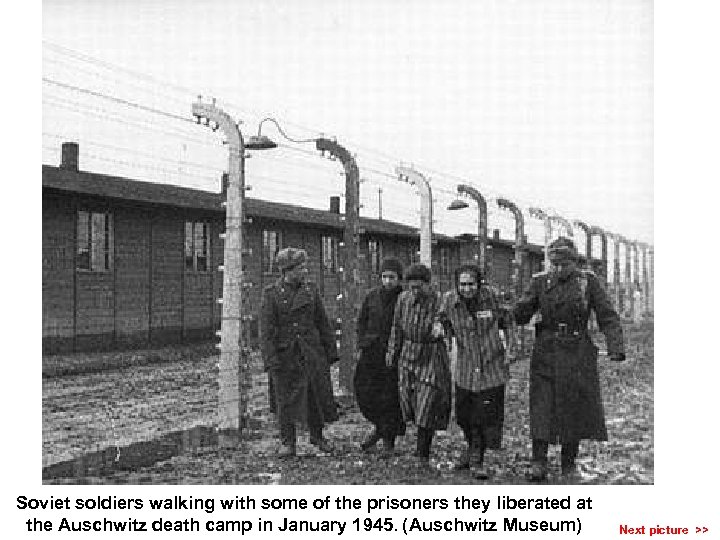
(122, 399)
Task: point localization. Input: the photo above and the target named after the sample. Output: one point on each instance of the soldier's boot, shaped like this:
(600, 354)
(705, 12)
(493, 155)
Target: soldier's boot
(538, 468)
(477, 456)
(287, 441)
(463, 462)
(319, 441)
(568, 455)
(388, 445)
(424, 441)
(371, 440)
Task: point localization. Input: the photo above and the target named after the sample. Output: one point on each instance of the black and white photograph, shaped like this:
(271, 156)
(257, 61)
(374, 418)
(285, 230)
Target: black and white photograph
(348, 243)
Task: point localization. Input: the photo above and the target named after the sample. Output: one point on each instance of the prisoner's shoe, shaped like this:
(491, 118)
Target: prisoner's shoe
(370, 441)
(570, 475)
(479, 472)
(462, 463)
(322, 444)
(388, 447)
(538, 472)
(286, 451)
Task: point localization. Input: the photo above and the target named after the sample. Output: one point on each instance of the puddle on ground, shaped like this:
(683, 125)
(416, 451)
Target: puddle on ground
(109, 461)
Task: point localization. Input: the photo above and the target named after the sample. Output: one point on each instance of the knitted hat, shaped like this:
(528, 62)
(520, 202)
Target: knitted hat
(418, 271)
(472, 268)
(289, 258)
(392, 264)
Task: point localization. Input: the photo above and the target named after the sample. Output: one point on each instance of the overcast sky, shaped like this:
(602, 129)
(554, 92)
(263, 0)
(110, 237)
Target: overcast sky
(547, 102)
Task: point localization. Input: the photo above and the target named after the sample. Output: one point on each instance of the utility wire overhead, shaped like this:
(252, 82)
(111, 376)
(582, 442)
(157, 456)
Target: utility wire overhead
(441, 181)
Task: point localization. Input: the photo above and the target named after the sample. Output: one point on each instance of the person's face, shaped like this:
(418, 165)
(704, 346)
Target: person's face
(389, 279)
(417, 287)
(563, 265)
(467, 284)
(297, 274)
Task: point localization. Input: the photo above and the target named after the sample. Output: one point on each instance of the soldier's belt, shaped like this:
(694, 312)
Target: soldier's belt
(559, 330)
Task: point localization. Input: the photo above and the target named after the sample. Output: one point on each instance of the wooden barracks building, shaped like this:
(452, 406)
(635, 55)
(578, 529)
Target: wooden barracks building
(131, 264)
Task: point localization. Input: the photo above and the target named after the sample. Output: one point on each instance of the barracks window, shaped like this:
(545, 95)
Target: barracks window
(272, 243)
(94, 241)
(374, 255)
(197, 245)
(445, 261)
(330, 253)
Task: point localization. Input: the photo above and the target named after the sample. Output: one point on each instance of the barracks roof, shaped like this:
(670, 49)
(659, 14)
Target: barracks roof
(120, 188)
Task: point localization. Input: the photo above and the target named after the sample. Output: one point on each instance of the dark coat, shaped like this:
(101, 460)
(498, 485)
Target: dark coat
(376, 385)
(565, 399)
(298, 347)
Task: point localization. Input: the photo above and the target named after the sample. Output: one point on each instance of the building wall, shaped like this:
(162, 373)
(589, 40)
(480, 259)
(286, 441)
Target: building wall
(149, 296)
(166, 275)
(58, 273)
(146, 297)
(132, 277)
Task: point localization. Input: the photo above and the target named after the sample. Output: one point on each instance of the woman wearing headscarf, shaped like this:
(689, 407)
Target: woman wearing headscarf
(376, 385)
(473, 315)
(418, 351)
(565, 400)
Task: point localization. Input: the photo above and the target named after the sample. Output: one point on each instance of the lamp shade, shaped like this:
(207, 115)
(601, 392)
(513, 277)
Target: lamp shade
(458, 204)
(260, 142)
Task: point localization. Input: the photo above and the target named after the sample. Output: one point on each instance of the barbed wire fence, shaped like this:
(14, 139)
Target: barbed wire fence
(137, 126)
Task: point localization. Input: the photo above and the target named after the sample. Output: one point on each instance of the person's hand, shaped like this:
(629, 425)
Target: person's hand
(617, 357)
(437, 330)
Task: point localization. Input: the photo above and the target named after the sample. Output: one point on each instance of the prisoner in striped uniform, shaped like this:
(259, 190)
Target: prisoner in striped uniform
(473, 315)
(421, 358)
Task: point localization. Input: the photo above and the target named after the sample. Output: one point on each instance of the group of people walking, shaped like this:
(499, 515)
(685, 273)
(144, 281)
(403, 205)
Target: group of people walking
(403, 373)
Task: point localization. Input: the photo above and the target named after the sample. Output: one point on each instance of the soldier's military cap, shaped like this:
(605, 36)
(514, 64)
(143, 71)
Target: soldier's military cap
(563, 248)
(392, 264)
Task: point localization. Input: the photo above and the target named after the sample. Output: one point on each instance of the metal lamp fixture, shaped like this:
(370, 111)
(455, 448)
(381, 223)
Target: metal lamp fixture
(263, 142)
(457, 204)
(465, 190)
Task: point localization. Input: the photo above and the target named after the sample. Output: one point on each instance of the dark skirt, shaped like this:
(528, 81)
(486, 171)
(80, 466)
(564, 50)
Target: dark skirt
(376, 391)
(482, 411)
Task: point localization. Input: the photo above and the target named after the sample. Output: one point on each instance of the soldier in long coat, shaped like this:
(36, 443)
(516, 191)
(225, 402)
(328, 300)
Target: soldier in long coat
(419, 353)
(565, 400)
(298, 347)
(376, 385)
(473, 315)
